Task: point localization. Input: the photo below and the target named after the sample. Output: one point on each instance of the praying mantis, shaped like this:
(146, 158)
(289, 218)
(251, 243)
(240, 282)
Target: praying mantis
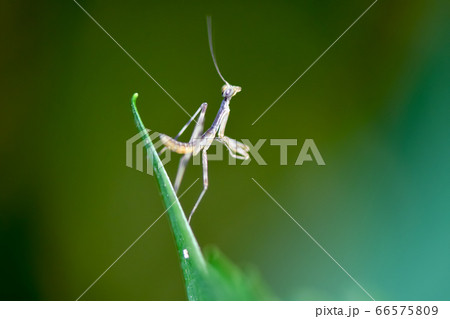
(201, 141)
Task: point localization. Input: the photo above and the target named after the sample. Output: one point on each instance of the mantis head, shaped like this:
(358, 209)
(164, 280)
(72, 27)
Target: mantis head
(228, 90)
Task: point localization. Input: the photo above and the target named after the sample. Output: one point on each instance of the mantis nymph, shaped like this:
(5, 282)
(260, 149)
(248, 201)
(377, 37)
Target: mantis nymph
(201, 141)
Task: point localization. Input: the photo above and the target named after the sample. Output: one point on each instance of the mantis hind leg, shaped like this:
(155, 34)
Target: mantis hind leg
(181, 169)
(205, 183)
(198, 129)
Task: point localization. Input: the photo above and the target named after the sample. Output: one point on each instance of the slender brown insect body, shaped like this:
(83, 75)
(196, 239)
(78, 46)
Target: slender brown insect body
(175, 146)
(200, 142)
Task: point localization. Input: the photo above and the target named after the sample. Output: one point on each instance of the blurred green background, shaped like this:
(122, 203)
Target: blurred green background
(377, 106)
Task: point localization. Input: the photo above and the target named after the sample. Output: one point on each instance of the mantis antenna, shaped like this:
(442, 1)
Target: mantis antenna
(208, 21)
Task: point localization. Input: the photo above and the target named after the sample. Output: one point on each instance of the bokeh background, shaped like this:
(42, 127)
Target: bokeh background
(376, 105)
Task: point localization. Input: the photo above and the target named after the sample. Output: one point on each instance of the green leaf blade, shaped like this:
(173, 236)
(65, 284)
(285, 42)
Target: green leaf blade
(215, 278)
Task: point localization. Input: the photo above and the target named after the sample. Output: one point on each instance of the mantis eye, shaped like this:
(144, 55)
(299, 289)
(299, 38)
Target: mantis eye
(229, 92)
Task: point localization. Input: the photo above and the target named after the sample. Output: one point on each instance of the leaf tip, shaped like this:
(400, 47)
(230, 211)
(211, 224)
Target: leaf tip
(135, 96)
